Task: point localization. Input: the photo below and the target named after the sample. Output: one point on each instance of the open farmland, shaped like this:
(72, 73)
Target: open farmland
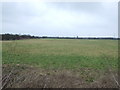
(61, 63)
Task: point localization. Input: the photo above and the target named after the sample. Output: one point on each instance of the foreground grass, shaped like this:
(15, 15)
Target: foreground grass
(60, 63)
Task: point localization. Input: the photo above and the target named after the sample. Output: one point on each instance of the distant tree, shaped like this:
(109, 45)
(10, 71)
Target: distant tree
(77, 37)
(44, 36)
(16, 37)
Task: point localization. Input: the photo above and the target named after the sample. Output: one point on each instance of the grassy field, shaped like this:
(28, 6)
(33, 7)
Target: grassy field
(88, 59)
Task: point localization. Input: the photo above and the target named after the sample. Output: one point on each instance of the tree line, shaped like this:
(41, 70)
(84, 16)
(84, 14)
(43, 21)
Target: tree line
(18, 37)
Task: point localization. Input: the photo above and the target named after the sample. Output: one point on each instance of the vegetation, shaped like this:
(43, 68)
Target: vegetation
(85, 59)
(16, 36)
(52, 53)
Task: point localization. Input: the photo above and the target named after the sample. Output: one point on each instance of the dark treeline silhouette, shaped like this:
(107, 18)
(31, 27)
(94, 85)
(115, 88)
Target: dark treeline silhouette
(18, 37)
(81, 38)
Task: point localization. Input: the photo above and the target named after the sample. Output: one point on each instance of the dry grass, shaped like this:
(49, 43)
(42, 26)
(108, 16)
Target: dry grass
(31, 77)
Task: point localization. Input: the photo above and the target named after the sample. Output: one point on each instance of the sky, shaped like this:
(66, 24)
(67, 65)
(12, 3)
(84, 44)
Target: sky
(83, 19)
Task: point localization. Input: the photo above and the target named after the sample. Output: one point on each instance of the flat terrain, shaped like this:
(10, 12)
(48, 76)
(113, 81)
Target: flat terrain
(60, 63)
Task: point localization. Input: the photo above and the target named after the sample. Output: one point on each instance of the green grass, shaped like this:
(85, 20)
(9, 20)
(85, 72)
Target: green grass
(61, 53)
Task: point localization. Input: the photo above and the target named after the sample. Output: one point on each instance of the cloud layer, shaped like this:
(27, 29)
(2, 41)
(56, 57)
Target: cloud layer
(60, 18)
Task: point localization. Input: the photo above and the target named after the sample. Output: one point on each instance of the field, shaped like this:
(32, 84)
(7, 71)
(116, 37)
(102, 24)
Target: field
(61, 63)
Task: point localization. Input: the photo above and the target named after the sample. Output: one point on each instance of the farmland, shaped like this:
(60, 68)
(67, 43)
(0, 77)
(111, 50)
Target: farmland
(80, 62)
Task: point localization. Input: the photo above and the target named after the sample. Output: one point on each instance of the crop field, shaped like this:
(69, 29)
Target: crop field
(60, 63)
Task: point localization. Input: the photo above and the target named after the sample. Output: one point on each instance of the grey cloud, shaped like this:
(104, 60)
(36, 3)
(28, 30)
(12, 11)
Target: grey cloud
(60, 19)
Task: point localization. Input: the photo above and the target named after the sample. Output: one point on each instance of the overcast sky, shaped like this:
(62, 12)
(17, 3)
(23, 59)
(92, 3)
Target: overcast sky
(60, 18)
